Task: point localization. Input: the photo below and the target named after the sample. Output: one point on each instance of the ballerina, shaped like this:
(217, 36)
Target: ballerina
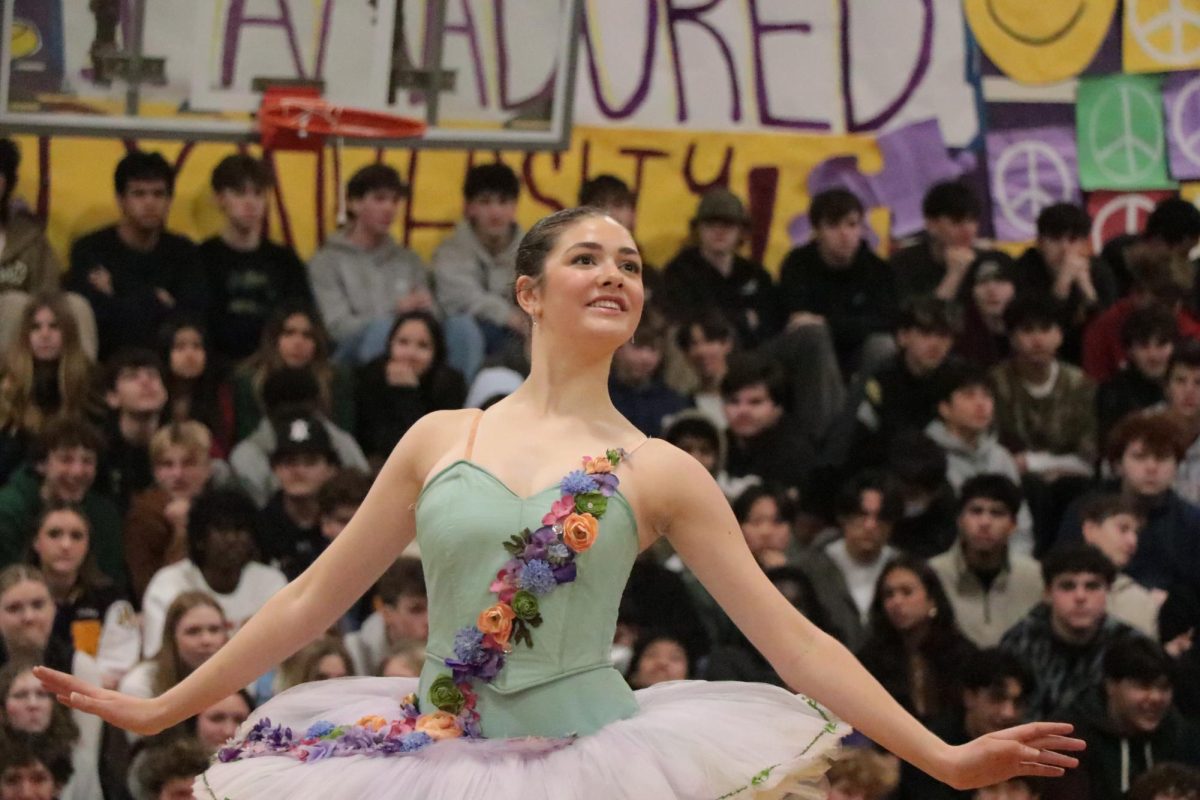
(524, 569)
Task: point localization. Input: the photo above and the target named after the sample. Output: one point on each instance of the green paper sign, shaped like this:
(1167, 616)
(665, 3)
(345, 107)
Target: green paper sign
(1122, 141)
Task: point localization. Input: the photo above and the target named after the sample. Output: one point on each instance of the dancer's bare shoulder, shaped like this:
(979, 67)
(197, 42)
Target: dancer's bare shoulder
(664, 480)
(431, 438)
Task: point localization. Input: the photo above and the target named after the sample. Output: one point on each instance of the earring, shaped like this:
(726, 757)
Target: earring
(933, 612)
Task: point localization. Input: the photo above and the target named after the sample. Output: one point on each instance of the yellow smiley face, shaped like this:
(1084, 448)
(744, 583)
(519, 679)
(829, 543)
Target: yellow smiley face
(1040, 41)
(25, 39)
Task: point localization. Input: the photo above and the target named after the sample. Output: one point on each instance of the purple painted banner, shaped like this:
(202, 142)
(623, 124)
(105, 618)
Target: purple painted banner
(914, 158)
(1181, 110)
(1030, 168)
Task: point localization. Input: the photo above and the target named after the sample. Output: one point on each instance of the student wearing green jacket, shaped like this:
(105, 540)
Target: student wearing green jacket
(64, 470)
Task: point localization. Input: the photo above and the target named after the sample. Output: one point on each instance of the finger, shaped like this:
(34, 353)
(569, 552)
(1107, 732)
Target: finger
(1034, 730)
(1067, 743)
(59, 682)
(83, 702)
(1053, 759)
(1040, 770)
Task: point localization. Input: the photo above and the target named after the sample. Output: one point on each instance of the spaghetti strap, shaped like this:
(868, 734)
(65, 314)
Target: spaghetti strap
(471, 436)
(639, 446)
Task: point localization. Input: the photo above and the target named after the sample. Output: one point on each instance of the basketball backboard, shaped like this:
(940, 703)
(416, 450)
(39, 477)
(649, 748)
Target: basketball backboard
(195, 69)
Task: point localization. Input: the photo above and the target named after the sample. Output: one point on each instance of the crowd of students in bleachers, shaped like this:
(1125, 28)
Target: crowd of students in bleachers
(979, 472)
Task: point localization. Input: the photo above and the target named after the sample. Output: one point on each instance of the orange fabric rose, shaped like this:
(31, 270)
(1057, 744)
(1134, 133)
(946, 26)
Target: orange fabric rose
(497, 621)
(598, 464)
(579, 531)
(439, 725)
(373, 722)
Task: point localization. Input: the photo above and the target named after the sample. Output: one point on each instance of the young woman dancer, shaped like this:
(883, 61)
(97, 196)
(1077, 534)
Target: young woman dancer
(524, 571)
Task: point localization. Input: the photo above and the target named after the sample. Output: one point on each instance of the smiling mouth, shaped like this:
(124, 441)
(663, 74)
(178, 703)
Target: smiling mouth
(1028, 39)
(611, 305)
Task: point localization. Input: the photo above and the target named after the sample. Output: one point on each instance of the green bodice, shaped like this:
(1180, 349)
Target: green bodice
(564, 684)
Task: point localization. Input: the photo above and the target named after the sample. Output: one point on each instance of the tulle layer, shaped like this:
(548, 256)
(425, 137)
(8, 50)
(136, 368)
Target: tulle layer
(692, 740)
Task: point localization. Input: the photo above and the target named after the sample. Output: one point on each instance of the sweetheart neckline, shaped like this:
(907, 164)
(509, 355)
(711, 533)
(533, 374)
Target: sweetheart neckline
(496, 479)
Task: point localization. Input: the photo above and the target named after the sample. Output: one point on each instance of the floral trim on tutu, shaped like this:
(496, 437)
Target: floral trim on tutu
(369, 736)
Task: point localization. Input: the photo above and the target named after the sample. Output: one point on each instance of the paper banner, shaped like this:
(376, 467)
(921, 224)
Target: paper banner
(1161, 35)
(1034, 41)
(914, 158)
(1120, 133)
(1181, 107)
(1117, 213)
(1029, 169)
(36, 47)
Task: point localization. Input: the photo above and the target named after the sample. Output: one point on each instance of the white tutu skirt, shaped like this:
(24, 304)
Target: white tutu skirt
(693, 740)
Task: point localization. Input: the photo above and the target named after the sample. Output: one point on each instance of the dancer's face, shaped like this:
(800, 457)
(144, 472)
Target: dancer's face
(591, 288)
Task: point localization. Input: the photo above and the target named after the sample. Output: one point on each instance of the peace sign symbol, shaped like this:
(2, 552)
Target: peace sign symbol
(1138, 147)
(1169, 36)
(1135, 207)
(1185, 111)
(1030, 175)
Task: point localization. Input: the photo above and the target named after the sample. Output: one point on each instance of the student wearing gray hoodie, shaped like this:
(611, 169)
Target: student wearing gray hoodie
(474, 267)
(362, 278)
(966, 409)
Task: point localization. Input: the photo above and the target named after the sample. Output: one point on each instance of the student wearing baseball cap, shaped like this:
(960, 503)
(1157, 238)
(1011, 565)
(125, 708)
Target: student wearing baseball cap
(303, 461)
(708, 273)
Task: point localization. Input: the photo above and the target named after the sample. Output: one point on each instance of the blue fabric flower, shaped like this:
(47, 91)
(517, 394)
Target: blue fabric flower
(414, 741)
(558, 553)
(537, 577)
(468, 645)
(578, 482)
(318, 729)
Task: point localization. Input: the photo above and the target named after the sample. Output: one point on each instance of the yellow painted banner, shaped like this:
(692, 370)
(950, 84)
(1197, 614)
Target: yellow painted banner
(668, 169)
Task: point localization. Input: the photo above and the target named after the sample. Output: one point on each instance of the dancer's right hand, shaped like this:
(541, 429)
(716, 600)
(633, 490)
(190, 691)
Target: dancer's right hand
(134, 714)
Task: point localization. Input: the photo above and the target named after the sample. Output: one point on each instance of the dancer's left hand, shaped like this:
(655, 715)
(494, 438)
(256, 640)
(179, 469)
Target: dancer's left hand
(1036, 749)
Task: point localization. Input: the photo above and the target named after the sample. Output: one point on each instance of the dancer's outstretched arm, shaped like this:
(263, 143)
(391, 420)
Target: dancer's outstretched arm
(301, 611)
(680, 500)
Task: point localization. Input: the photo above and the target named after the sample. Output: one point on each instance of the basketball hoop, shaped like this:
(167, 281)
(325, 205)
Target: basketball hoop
(297, 118)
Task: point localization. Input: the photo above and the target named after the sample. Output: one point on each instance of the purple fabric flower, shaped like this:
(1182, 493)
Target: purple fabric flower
(321, 750)
(472, 728)
(565, 573)
(537, 577)
(578, 482)
(606, 483)
(487, 668)
(358, 738)
(491, 666)
(558, 554)
(227, 754)
(260, 730)
(539, 542)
